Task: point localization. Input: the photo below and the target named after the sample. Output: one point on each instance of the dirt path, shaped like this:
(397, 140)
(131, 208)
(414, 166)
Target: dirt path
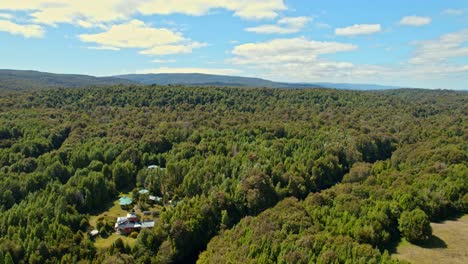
(448, 245)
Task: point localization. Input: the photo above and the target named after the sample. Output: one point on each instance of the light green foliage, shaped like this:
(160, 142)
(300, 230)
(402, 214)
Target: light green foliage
(415, 226)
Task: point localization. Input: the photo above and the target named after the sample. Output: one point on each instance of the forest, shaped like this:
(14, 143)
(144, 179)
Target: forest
(261, 175)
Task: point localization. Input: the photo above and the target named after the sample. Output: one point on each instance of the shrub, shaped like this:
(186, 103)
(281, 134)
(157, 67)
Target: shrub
(415, 226)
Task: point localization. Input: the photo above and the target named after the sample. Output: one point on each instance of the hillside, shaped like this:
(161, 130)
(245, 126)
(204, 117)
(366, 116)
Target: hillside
(15, 80)
(26, 80)
(220, 80)
(207, 79)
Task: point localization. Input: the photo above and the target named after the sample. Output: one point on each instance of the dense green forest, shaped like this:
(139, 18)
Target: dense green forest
(261, 175)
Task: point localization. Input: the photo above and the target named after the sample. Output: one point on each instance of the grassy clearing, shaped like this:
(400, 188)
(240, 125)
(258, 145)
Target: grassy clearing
(103, 243)
(112, 212)
(449, 244)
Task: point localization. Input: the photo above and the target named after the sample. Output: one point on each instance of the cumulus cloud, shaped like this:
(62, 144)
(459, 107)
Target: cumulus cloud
(415, 21)
(89, 12)
(247, 9)
(28, 31)
(136, 34)
(358, 29)
(286, 25)
(219, 71)
(286, 50)
(452, 45)
(303, 60)
(297, 59)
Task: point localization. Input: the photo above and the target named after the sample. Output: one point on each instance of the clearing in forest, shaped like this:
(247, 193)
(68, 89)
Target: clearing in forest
(447, 245)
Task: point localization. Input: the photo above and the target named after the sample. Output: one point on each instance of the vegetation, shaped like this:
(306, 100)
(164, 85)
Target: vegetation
(447, 245)
(252, 175)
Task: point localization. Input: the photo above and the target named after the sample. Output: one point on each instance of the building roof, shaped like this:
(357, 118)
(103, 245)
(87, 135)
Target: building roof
(125, 200)
(155, 167)
(155, 198)
(143, 191)
(148, 224)
(94, 232)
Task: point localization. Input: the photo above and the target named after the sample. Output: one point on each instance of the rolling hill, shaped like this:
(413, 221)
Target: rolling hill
(207, 79)
(18, 80)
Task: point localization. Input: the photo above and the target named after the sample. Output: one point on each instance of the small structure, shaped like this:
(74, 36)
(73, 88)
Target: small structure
(174, 203)
(155, 199)
(128, 224)
(125, 202)
(152, 167)
(143, 191)
(94, 233)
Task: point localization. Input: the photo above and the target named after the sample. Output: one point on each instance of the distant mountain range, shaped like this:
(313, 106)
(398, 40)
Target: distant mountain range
(27, 80)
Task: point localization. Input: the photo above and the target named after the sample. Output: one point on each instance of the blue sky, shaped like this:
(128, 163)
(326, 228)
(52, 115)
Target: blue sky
(405, 43)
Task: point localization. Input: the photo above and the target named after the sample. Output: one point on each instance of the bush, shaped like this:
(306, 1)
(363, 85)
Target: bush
(415, 226)
(358, 173)
(133, 234)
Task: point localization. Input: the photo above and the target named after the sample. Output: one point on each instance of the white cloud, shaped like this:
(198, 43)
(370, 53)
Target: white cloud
(6, 16)
(301, 60)
(89, 12)
(163, 61)
(136, 34)
(133, 34)
(286, 25)
(297, 59)
(218, 71)
(452, 45)
(103, 48)
(272, 29)
(173, 49)
(415, 21)
(28, 31)
(358, 29)
(259, 9)
(288, 50)
(454, 12)
(294, 22)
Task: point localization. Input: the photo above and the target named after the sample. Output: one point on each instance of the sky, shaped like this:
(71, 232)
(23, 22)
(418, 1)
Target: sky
(417, 43)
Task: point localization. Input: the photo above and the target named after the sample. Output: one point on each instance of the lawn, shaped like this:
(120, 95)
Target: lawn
(448, 244)
(103, 243)
(112, 212)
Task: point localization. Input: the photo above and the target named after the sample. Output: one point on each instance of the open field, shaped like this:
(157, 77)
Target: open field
(114, 210)
(449, 244)
(103, 243)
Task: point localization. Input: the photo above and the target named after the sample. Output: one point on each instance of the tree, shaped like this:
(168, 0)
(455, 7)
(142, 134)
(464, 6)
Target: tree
(415, 226)
(123, 175)
(58, 171)
(9, 258)
(8, 199)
